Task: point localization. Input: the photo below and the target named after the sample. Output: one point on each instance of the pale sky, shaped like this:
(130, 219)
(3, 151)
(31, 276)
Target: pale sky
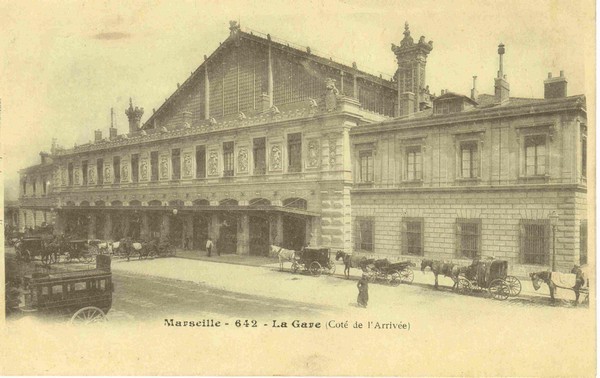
(64, 65)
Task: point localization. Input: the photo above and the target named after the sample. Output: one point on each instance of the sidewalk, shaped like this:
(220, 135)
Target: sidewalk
(420, 278)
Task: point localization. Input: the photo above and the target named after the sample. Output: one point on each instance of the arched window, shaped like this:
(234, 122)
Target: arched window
(84, 203)
(259, 202)
(70, 203)
(228, 202)
(297, 203)
(116, 203)
(99, 203)
(201, 202)
(155, 203)
(135, 203)
(176, 203)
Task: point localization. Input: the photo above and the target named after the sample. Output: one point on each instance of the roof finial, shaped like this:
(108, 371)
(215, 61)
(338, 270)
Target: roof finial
(406, 31)
(130, 102)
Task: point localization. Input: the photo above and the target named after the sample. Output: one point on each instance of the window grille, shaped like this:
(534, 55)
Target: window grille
(228, 162)
(468, 238)
(535, 241)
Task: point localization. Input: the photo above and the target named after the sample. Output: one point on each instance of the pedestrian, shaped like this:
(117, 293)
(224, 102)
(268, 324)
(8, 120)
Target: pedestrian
(209, 246)
(363, 291)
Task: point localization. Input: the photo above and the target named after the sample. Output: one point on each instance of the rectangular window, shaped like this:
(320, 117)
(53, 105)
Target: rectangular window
(535, 155)
(228, 159)
(583, 153)
(70, 175)
(364, 234)
(583, 243)
(78, 286)
(468, 238)
(414, 163)
(412, 236)
(294, 152)
(176, 164)
(117, 168)
(25, 186)
(34, 187)
(469, 160)
(200, 162)
(366, 166)
(100, 171)
(135, 168)
(154, 166)
(44, 185)
(84, 172)
(57, 289)
(535, 241)
(260, 156)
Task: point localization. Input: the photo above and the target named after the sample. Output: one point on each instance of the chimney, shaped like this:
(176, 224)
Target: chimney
(97, 135)
(112, 131)
(407, 104)
(555, 87)
(44, 156)
(134, 115)
(501, 87)
(474, 93)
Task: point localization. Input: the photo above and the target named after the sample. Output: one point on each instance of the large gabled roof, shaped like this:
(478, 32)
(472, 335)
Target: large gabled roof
(280, 45)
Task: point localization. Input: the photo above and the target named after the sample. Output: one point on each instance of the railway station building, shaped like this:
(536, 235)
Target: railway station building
(270, 144)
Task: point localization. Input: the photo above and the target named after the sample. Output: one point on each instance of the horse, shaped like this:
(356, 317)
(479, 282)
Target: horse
(352, 261)
(546, 277)
(282, 253)
(447, 269)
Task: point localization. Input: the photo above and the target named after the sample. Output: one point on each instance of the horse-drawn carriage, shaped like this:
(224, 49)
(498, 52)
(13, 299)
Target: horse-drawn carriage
(393, 273)
(84, 295)
(80, 250)
(491, 275)
(314, 260)
(28, 248)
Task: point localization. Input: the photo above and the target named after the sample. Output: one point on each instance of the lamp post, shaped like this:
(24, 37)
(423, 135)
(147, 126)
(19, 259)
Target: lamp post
(553, 221)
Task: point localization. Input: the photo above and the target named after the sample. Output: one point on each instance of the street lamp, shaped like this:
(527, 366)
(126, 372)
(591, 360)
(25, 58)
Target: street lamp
(553, 221)
(174, 211)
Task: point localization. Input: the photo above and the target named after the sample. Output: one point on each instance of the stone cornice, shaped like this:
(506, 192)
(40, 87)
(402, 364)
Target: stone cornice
(574, 103)
(478, 188)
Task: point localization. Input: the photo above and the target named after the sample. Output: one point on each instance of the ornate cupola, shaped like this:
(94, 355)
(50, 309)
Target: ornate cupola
(134, 115)
(410, 75)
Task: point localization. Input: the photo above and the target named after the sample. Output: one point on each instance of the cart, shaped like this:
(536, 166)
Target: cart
(28, 248)
(313, 260)
(85, 296)
(391, 273)
(80, 250)
(490, 275)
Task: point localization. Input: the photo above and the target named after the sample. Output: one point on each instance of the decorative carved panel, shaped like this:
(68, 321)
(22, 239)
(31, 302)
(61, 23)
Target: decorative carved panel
(76, 175)
(313, 153)
(63, 177)
(213, 163)
(275, 156)
(107, 177)
(164, 167)
(243, 160)
(144, 169)
(187, 165)
(332, 151)
(125, 172)
(92, 175)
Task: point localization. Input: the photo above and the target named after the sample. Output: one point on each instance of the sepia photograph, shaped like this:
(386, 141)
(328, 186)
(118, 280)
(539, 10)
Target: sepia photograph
(401, 188)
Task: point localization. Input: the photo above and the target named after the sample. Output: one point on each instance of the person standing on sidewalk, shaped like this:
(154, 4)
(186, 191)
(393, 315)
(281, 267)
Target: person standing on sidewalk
(363, 291)
(209, 246)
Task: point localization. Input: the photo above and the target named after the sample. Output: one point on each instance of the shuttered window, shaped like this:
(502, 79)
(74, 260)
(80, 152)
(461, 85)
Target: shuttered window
(364, 234)
(412, 236)
(468, 238)
(535, 235)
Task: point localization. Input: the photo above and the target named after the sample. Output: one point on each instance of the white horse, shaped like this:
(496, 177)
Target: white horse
(283, 254)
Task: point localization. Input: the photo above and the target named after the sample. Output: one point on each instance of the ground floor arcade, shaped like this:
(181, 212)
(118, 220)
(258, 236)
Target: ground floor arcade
(232, 230)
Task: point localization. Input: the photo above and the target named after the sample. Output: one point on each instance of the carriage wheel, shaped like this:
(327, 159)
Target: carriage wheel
(88, 315)
(394, 278)
(27, 256)
(331, 267)
(464, 286)
(372, 275)
(514, 285)
(295, 267)
(315, 268)
(407, 275)
(499, 289)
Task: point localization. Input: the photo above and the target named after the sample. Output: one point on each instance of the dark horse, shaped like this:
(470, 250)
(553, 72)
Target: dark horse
(351, 261)
(447, 269)
(546, 277)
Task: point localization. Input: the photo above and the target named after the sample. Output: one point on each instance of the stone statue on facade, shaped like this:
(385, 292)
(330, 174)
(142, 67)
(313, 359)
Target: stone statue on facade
(331, 93)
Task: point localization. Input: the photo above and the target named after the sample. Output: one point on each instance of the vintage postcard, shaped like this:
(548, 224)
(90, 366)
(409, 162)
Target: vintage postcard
(399, 188)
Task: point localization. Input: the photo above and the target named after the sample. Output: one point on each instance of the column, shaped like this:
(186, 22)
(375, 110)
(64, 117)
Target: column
(276, 228)
(213, 228)
(270, 75)
(188, 230)
(243, 235)
(354, 87)
(145, 228)
(125, 219)
(92, 227)
(165, 228)
(108, 226)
